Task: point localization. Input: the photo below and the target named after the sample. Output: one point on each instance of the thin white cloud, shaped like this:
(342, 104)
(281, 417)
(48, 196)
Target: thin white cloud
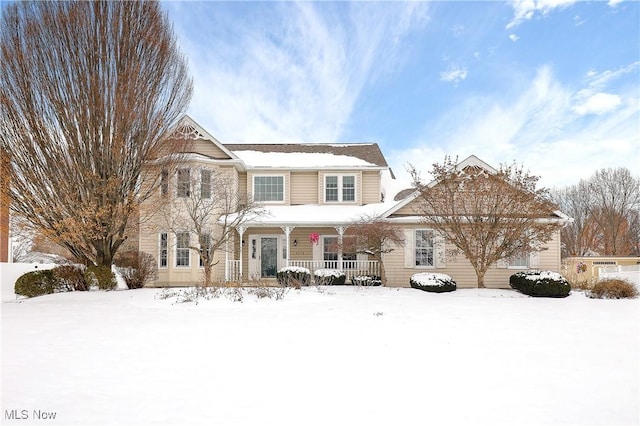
(600, 103)
(613, 3)
(513, 37)
(454, 74)
(298, 78)
(539, 128)
(524, 10)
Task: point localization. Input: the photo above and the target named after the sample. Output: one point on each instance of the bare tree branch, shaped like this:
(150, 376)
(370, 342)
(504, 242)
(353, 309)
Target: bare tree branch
(88, 92)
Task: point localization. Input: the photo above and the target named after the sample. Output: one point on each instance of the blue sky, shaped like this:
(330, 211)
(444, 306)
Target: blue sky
(553, 85)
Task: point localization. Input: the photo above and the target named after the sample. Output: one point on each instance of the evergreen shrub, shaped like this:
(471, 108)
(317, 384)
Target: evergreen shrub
(293, 276)
(36, 283)
(329, 277)
(101, 276)
(432, 282)
(540, 283)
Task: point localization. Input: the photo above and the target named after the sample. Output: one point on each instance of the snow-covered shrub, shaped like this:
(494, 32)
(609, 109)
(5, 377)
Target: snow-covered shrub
(101, 276)
(36, 283)
(293, 276)
(137, 268)
(71, 277)
(613, 288)
(432, 282)
(540, 283)
(366, 280)
(329, 277)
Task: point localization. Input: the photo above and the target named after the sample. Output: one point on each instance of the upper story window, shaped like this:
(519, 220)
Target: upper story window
(340, 188)
(268, 188)
(205, 183)
(424, 248)
(184, 183)
(164, 183)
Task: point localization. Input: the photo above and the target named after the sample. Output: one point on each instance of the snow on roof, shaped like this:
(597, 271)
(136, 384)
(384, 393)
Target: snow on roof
(318, 215)
(300, 160)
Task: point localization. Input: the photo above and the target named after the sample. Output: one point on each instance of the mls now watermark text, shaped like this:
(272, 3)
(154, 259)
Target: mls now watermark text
(29, 414)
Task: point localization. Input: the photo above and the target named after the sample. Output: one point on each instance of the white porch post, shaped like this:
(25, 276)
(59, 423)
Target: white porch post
(241, 230)
(340, 230)
(287, 231)
(226, 260)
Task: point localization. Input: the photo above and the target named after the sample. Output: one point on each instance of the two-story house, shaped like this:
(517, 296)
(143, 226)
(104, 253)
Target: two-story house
(310, 194)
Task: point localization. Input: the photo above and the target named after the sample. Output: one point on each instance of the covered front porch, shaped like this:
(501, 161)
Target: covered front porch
(259, 252)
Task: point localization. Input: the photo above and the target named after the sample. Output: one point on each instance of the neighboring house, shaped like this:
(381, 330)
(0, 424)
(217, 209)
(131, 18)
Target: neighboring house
(587, 268)
(311, 193)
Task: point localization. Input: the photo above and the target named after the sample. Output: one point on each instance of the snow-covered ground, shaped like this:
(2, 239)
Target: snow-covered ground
(321, 356)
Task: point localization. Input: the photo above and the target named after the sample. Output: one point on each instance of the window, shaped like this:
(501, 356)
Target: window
(184, 183)
(164, 250)
(521, 261)
(331, 255)
(268, 188)
(331, 188)
(205, 183)
(182, 249)
(424, 250)
(340, 188)
(164, 183)
(206, 239)
(330, 252)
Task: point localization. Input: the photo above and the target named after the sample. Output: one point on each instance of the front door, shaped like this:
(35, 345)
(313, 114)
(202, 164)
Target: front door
(268, 257)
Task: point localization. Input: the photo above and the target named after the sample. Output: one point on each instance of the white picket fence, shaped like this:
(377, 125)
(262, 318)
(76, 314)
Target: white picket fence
(629, 272)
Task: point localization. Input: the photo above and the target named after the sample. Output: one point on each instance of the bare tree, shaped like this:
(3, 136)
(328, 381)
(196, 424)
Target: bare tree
(211, 208)
(375, 237)
(88, 93)
(605, 212)
(487, 216)
(580, 236)
(615, 198)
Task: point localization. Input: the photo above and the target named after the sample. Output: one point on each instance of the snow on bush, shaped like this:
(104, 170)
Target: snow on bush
(540, 283)
(293, 276)
(366, 280)
(329, 277)
(432, 282)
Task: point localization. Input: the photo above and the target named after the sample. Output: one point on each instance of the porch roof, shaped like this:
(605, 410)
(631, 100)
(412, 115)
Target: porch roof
(316, 214)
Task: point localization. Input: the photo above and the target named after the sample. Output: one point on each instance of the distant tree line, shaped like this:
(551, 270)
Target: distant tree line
(606, 214)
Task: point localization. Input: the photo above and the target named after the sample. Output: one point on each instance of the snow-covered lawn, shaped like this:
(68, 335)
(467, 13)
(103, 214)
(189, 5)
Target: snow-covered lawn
(327, 356)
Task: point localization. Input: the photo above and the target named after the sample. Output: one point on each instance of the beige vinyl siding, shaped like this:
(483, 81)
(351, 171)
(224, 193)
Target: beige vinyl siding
(207, 148)
(242, 184)
(303, 188)
(410, 209)
(462, 272)
(370, 187)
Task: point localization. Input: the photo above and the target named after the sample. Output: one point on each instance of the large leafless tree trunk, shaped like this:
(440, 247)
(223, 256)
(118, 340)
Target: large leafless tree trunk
(486, 216)
(88, 91)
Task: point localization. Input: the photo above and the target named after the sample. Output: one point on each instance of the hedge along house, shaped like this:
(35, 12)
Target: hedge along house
(310, 194)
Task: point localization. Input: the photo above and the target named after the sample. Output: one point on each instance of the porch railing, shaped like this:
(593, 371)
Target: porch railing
(351, 268)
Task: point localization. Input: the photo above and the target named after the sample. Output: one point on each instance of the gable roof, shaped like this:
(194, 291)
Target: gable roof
(471, 161)
(187, 128)
(289, 155)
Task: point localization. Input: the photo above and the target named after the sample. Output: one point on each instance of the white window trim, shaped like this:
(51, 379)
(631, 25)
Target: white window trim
(200, 265)
(433, 247)
(340, 187)
(175, 251)
(284, 187)
(160, 249)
